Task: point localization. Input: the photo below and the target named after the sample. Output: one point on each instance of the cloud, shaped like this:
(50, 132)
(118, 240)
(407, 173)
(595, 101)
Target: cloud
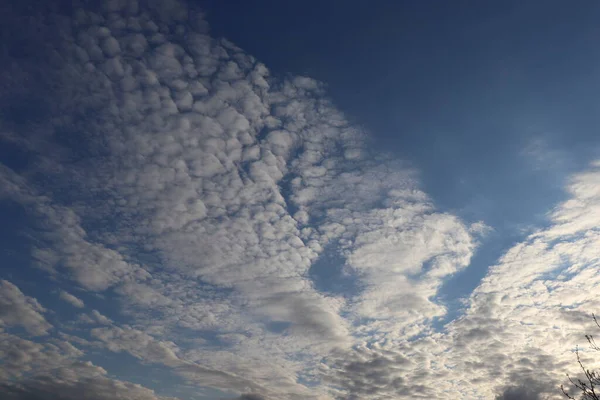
(63, 243)
(200, 191)
(69, 298)
(251, 397)
(85, 388)
(94, 318)
(81, 381)
(196, 192)
(21, 356)
(403, 253)
(373, 372)
(148, 349)
(52, 369)
(520, 325)
(17, 309)
(519, 393)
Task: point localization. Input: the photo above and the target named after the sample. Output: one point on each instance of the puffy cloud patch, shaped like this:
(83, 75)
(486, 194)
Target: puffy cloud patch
(519, 328)
(69, 298)
(187, 181)
(52, 369)
(17, 309)
(519, 393)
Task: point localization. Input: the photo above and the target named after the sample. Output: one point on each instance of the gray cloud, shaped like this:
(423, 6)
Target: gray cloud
(519, 393)
(251, 397)
(69, 298)
(17, 309)
(62, 386)
(376, 372)
(527, 390)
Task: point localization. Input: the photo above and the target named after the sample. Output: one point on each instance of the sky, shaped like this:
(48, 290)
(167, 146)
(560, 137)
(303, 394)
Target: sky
(327, 200)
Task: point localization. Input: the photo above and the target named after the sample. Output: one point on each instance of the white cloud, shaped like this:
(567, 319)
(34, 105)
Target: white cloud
(94, 318)
(17, 309)
(69, 298)
(519, 328)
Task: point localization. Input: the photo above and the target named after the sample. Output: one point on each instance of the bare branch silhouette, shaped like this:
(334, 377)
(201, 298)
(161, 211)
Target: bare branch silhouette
(589, 385)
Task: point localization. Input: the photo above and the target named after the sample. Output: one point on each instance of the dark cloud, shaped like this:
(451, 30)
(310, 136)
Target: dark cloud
(379, 373)
(21, 310)
(250, 396)
(529, 388)
(54, 388)
(519, 393)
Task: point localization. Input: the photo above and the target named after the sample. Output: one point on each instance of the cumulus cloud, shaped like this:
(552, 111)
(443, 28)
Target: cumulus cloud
(17, 309)
(69, 298)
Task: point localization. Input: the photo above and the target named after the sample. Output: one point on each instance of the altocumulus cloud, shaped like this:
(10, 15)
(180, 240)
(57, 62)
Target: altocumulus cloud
(69, 298)
(173, 174)
(21, 310)
(516, 337)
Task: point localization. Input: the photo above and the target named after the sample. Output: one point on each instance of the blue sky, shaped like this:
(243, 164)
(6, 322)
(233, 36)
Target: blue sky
(325, 200)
